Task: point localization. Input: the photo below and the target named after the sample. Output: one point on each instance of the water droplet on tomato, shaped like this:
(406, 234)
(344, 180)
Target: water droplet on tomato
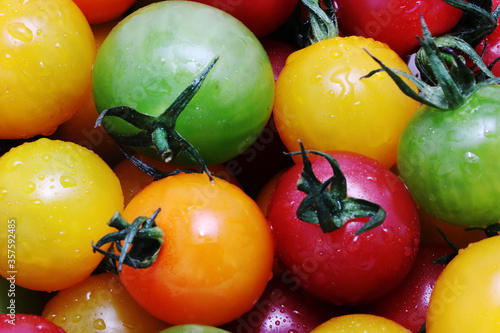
(76, 318)
(3, 193)
(354, 245)
(20, 31)
(316, 78)
(41, 176)
(67, 181)
(336, 54)
(99, 324)
(407, 251)
(46, 157)
(388, 234)
(29, 187)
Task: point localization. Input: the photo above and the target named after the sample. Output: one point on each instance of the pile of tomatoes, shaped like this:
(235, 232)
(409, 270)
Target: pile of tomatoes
(216, 166)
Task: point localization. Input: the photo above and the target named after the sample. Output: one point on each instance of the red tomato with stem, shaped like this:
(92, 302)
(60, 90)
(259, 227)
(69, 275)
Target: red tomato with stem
(342, 266)
(396, 22)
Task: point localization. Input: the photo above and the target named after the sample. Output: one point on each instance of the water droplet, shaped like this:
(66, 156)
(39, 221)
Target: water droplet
(407, 251)
(473, 167)
(316, 78)
(76, 318)
(99, 324)
(354, 245)
(3, 193)
(29, 187)
(336, 54)
(46, 157)
(67, 181)
(41, 176)
(20, 31)
(13, 165)
(388, 234)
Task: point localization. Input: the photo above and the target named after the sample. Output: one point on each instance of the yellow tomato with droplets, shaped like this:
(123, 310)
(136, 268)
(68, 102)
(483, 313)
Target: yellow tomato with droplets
(47, 50)
(466, 296)
(100, 304)
(56, 197)
(323, 100)
(357, 323)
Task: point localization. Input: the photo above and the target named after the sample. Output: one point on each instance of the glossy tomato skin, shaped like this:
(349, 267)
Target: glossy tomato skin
(100, 303)
(340, 267)
(446, 156)
(46, 54)
(408, 303)
(354, 323)
(56, 198)
(465, 297)
(101, 11)
(322, 101)
(27, 323)
(283, 308)
(396, 22)
(235, 101)
(193, 328)
(217, 255)
(261, 16)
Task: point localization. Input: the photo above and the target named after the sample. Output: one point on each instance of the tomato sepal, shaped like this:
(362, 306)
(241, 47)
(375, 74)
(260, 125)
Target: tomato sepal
(159, 131)
(327, 204)
(138, 243)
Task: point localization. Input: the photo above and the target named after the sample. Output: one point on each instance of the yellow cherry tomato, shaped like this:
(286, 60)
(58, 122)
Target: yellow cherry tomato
(56, 197)
(322, 100)
(466, 297)
(100, 304)
(47, 50)
(357, 323)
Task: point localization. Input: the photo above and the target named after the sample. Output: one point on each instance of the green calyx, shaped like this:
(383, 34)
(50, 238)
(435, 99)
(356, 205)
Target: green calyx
(138, 243)
(159, 131)
(452, 82)
(323, 22)
(478, 21)
(327, 203)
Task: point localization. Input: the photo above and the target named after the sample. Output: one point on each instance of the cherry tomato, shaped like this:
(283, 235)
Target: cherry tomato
(156, 52)
(100, 303)
(46, 54)
(355, 323)
(396, 22)
(321, 100)
(261, 16)
(27, 323)
(465, 297)
(100, 11)
(339, 266)
(217, 255)
(55, 198)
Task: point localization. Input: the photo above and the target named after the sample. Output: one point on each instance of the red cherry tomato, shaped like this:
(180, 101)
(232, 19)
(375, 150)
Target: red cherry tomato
(27, 323)
(339, 266)
(396, 22)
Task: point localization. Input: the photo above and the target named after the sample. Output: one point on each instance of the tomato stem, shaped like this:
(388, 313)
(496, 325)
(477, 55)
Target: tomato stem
(323, 25)
(327, 203)
(138, 243)
(159, 132)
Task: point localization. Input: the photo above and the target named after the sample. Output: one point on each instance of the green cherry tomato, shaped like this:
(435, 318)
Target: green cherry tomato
(450, 160)
(152, 56)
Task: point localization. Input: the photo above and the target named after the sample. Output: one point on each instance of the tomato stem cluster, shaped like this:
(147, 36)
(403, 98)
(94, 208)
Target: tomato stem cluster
(159, 131)
(327, 203)
(138, 243)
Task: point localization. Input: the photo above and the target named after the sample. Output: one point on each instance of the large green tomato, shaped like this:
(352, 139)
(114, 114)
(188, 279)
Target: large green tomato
(450, 160)
(152, 55)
